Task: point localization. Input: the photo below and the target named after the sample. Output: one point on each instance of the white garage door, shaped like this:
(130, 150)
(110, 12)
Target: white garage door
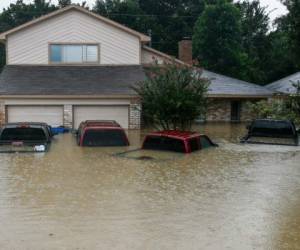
(117, 113)
(53, 115)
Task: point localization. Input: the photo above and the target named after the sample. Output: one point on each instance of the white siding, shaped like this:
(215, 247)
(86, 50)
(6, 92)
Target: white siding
(31, 45)
(149, 57)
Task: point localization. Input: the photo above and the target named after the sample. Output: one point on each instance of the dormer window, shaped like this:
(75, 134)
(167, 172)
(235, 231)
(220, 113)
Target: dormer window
(74, 53)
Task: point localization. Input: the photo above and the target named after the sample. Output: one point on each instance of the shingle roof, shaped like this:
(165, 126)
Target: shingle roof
(70, 80)
(227, 86)
(285, 85)
(103, 80)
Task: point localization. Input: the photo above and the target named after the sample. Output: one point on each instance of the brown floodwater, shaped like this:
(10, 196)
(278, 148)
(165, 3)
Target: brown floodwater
(231, 197)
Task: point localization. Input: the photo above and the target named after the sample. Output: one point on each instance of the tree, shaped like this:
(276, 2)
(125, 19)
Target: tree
(292, 26)
(280, 59)
(217, 39)
(173, 96)
(255, 40)
(64, 3)
(168, 20)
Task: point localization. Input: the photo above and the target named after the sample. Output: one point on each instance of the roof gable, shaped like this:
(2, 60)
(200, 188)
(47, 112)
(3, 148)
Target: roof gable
(285, 85)
(142, 37)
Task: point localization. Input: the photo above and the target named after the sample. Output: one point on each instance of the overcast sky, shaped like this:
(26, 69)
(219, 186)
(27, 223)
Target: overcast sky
(274, 6)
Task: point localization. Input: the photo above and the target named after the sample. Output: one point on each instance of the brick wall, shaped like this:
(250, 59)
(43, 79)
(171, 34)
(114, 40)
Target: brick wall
(185, 51)
(220, 110)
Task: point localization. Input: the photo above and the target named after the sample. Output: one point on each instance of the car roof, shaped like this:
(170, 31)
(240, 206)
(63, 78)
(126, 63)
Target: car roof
(175, 134)
(100, 124)
(273, 121)
(18, 124)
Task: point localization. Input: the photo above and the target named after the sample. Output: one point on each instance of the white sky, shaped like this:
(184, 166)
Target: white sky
(274, 6)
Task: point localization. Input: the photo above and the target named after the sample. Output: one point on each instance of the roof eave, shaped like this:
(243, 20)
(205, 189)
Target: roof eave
(69, 97)
(242, 96)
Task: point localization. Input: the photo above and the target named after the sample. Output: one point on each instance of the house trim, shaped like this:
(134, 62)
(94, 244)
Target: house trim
(164, 55)
(70, 97)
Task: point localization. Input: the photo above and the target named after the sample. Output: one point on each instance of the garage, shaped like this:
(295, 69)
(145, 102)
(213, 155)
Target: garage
(53, 115)
(119, 113)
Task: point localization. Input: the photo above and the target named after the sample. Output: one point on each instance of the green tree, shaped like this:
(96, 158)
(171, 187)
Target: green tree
(292, 27)
(173, 96)
(280, 59)
(255, 41)
(64, 3)
(168, 20)
(217, 39)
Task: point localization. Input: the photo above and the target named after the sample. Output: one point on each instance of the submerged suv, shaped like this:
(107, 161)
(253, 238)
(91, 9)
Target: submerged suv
(101, 133)
(177, 141)
(25, 137)
(269, 131)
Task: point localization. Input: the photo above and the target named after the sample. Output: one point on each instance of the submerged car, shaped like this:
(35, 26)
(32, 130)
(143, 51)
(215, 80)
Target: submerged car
(25, 137)
(269, 131)
(101, 133)
(177, 141)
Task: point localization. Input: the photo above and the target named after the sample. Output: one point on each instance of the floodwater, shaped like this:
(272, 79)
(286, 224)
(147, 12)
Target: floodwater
(231, 197)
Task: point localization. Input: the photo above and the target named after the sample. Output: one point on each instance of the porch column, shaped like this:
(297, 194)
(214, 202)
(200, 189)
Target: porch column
(135, 110)
(2, 113)
(68, 116)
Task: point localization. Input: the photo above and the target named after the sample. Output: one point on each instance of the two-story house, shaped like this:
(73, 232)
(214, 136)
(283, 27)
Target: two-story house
(73, 65)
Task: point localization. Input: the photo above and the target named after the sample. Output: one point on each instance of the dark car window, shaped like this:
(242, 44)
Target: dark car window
(272, 128)
(164, 143)
(194, 144)
(23, 134)
(205, 142)
(104, 137)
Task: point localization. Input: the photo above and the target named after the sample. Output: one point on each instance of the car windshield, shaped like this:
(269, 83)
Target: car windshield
(23, 134)
(205, 142)
(194, 144)
(104, 137)
(272, 128)
(164, 143)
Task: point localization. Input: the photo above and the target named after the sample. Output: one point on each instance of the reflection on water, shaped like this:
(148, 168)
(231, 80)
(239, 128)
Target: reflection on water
(230, 197)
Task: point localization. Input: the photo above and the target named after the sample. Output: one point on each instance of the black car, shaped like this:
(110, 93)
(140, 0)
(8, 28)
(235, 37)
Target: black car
(25, 137)
(279, 131)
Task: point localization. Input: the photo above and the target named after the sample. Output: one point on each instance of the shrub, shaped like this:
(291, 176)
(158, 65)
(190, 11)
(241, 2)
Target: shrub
(173, 96)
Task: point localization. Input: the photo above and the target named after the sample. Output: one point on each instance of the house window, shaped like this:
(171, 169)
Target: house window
(68, 53)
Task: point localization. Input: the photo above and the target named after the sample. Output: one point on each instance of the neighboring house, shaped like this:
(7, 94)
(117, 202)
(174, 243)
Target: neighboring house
(227, 96)
(73, 65)
(285, 86)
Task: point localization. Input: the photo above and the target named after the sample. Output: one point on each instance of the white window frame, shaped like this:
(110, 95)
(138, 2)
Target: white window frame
(84, 55)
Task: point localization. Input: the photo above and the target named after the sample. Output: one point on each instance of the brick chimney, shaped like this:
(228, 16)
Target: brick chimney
(185, 52)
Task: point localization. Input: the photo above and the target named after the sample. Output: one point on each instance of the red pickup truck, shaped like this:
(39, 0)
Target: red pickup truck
(177, 141)
(101, 133)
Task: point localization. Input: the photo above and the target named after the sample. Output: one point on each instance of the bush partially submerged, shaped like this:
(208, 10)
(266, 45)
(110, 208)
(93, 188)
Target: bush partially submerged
(288, 108)
(173, 96)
